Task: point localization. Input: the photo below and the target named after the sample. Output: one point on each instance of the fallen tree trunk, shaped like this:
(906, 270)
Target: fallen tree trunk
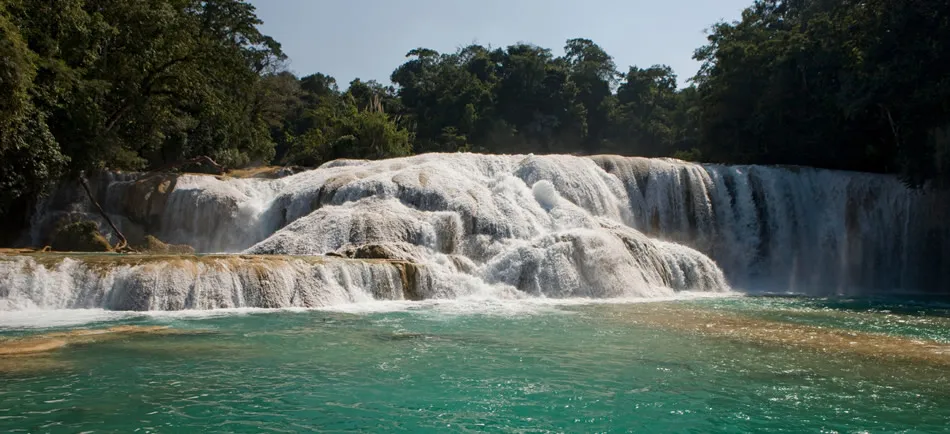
(200, 160)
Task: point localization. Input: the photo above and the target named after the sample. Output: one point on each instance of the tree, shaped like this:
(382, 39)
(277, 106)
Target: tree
(535, 95)
(18, 67)
(128, 84)
(594, 74)
(29, 156)
(446, 97)
(857, 85)
(649, 101)
(90, 85)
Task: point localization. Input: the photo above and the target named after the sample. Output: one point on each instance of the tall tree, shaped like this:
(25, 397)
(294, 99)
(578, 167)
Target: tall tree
(648, 103)
(594, 74)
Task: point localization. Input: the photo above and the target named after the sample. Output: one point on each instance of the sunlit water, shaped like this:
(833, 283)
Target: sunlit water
(676, 366)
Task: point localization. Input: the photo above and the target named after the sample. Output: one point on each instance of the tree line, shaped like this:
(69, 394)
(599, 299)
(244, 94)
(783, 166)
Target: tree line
(88, 85)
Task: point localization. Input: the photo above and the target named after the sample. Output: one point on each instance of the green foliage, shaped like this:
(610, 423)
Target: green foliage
(309, 149)
(524, 99)
(649, 102)
(324, 124)
(375, 137)
(17, 71)
(140, 83)
(689, 155)
(156, 246)
(29, 155)
(852, 84)
(29, 159)
(87, 85)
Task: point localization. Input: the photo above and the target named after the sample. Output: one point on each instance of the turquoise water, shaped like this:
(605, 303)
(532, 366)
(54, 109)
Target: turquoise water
(490, 367)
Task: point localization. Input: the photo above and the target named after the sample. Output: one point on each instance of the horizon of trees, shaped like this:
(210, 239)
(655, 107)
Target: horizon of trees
(88, 85)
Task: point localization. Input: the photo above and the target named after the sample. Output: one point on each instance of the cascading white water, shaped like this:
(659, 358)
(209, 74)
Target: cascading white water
(794, 229)
(556, 226)
(151, 283)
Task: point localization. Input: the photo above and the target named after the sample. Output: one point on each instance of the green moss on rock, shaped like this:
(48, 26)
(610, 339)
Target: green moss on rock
(81, 236)
(155, 245)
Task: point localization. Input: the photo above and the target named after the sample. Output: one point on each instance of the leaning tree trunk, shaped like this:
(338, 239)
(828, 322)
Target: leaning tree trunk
(123, 243)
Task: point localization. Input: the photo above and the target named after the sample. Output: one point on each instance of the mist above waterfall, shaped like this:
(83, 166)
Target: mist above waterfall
(558, 226)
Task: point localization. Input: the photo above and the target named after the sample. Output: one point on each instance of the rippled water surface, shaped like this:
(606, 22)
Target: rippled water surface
(712, 365)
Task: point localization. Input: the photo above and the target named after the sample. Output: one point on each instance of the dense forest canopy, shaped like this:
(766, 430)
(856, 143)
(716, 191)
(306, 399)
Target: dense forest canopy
(87, 85)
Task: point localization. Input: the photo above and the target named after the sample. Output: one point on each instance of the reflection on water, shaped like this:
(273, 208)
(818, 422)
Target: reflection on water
(718, 365)
(739, 326)
(34, 353)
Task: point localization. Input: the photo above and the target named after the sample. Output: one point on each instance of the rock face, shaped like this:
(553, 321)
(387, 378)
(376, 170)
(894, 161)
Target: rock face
(145, 199)
(395, 252)
(82, 236)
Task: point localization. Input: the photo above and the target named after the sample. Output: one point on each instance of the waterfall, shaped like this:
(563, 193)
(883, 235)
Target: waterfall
(794, 229)
(505, 225)
(156, 283)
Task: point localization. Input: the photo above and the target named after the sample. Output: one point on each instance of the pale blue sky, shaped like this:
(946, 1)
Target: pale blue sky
(370, 38)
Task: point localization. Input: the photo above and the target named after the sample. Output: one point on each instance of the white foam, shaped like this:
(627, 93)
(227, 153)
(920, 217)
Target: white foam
(38, 318)
(468, 306)
(507, 307)
(199, 314)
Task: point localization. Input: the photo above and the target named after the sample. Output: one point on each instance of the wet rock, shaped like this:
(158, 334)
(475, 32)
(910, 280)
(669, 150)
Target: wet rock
(143, 200)
(391, 251)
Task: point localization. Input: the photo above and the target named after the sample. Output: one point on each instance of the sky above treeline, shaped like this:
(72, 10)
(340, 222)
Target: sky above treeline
(368, 39)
